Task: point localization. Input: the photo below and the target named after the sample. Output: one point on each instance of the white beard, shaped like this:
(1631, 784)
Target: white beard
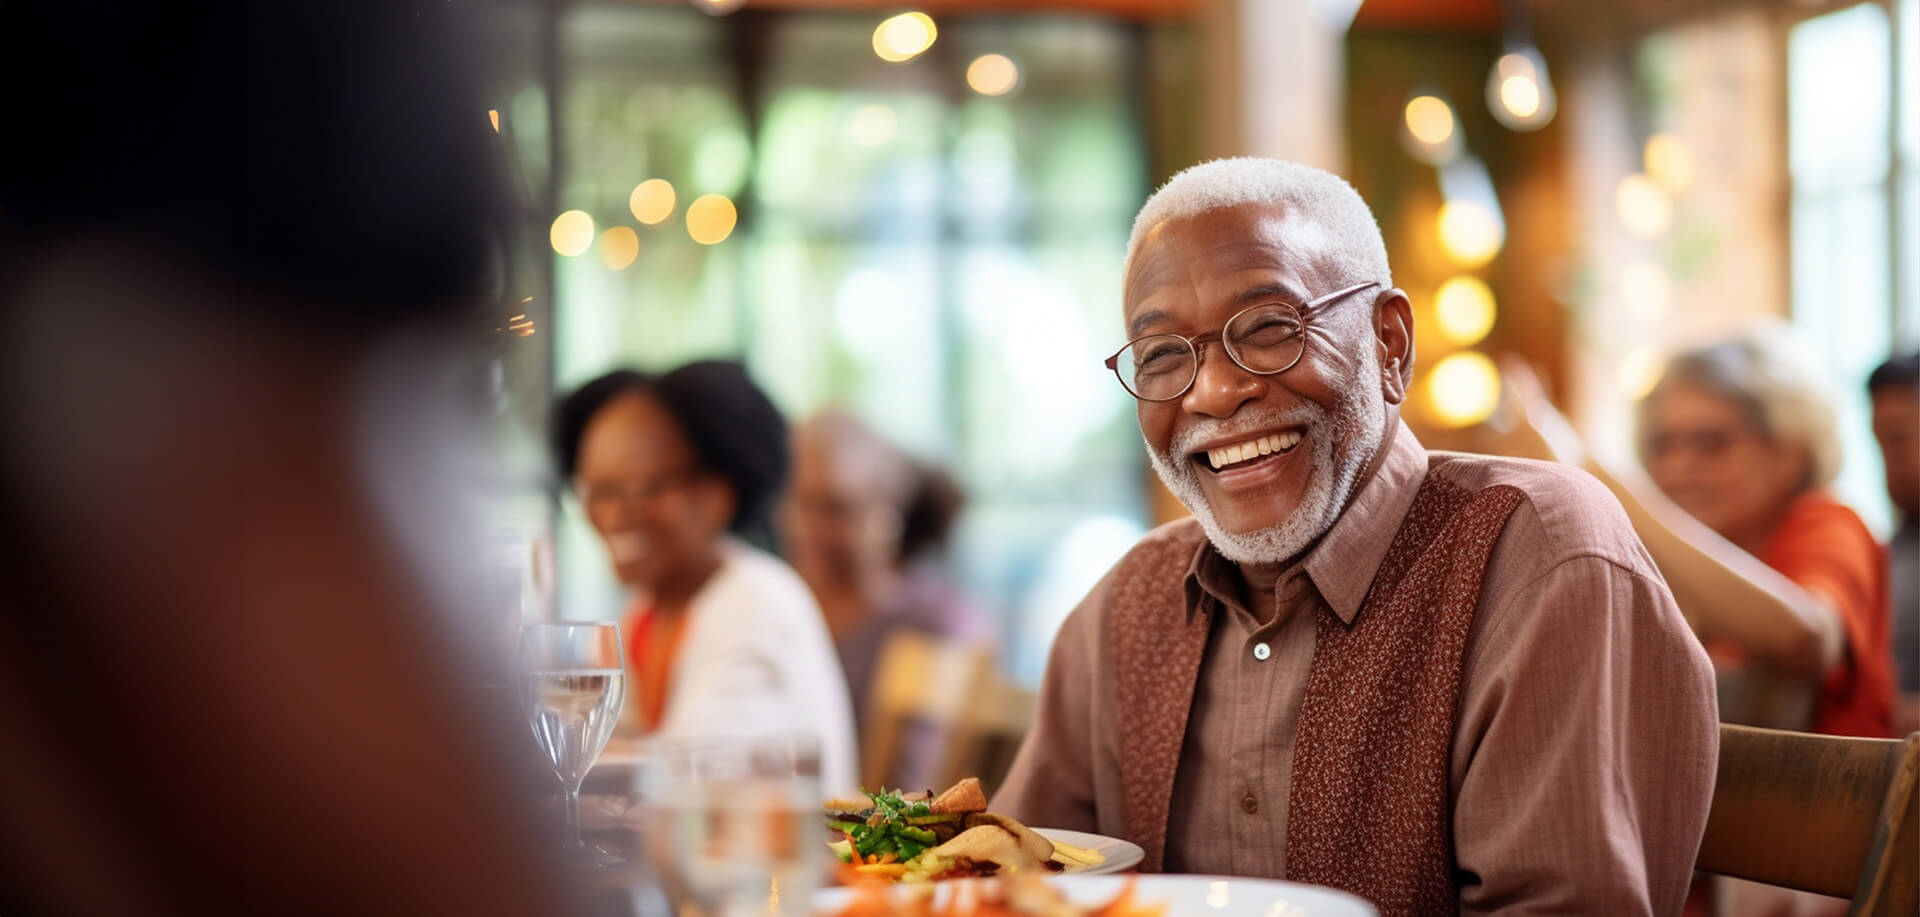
(1343, 441)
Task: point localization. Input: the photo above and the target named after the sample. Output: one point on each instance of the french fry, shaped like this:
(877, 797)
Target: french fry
(1076, 856)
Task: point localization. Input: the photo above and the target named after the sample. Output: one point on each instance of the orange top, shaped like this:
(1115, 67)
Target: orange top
(651, 645)
(1824, 547)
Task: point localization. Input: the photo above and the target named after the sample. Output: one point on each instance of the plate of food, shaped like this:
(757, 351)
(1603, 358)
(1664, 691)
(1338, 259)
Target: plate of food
(914, 838)
(1040, 895)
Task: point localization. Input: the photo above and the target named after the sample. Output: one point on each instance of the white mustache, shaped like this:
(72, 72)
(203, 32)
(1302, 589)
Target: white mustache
(1194, 438)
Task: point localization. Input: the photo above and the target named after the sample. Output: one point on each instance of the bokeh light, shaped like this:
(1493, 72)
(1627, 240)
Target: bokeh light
(1646, 290)
(1519, 94)
(572, 232)
(872, 125)
(710, 219)
(1463, 389)
(1470, 233)
(904, 37)
(618, 247)
(1669, 161)
(1464, 309)
(1429, 120)
(993, 75)
(652, 201)
(1639, 372)
(1644, 207)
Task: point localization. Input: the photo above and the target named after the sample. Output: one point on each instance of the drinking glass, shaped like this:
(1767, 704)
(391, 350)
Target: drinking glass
(573, 682)
(734, 823)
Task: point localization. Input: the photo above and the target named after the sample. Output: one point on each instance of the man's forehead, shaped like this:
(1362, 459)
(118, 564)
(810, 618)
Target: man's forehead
(1247, 237)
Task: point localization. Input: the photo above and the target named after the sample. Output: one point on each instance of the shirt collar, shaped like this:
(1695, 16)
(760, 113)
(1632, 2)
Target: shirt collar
(1344, 561)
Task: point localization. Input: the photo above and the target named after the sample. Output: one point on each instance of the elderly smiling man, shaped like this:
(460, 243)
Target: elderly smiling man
(1444, 682)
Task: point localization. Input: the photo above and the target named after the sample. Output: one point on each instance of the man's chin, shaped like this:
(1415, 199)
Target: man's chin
(1246, 531)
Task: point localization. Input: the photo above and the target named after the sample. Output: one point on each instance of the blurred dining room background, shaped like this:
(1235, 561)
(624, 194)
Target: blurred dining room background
(917, 214)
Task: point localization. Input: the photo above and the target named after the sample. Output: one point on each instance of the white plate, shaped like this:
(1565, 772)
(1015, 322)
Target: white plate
(1184, 896)
(1121, 855)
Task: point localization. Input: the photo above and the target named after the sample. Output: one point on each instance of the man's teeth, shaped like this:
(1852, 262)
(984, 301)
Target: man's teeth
(1252, 449)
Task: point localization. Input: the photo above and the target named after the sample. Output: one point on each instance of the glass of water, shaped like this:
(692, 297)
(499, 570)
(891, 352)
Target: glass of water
(733, 823)
(573, 682)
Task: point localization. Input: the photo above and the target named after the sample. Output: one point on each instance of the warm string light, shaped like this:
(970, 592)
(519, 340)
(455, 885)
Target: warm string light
(619, 245)
(1463, 389)
(652, 201)
(1470, 233)
(710, 219)
(902, 38)
(1639, 372)
(1464, 310)
(1643, 205)
(1669, 161)
(572, 232)
(993, 75)
(1519, 93)
(1429, 129)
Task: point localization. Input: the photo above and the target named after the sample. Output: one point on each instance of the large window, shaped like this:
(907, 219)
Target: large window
(941, 262)
(1854, 161)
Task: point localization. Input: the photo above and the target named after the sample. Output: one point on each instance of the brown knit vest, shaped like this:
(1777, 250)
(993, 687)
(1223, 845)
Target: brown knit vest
(1369, 810)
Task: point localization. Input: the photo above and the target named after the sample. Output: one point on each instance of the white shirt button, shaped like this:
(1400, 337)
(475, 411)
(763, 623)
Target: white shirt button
(1261, 651)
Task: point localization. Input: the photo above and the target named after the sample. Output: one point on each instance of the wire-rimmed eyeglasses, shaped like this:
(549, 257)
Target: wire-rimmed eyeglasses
(1263, 339)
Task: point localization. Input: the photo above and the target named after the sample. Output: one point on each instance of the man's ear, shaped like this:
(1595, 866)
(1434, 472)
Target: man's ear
(1393, 334)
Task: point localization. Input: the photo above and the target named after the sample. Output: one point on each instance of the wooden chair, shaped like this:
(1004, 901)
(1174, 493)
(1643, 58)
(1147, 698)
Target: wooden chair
(990, 736)
(1827, 814)
(923, 689)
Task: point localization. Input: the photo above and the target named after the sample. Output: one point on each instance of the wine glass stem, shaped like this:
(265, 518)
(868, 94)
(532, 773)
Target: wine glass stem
(573, 817)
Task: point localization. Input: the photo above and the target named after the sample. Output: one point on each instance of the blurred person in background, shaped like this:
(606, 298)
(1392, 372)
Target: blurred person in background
(863, 524)
(1895, 389)
(1782, 582)
(243, 272)
(675, 472)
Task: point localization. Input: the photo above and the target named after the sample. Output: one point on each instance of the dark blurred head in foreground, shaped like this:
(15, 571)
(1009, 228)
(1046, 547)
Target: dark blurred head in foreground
(239, 245)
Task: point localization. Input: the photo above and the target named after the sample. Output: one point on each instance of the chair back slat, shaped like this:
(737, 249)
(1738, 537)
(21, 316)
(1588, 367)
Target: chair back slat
(1808, 811)
(923, 689)
(1891, 882)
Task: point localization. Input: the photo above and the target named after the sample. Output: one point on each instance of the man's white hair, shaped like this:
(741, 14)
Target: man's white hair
(1355, 244)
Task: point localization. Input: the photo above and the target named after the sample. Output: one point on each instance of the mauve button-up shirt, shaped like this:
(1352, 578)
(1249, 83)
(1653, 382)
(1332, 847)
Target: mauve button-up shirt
(1586, 737)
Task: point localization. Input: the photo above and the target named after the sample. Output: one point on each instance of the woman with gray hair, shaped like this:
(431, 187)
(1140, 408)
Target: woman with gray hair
(1782, 582)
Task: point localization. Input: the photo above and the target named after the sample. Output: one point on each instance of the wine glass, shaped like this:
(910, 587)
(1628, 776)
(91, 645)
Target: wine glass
(734, 823)
(573, 682)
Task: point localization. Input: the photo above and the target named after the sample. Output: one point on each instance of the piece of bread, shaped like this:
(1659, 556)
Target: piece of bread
(1030, 841)
(989, 844)
(960, 799)
(848, 806)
